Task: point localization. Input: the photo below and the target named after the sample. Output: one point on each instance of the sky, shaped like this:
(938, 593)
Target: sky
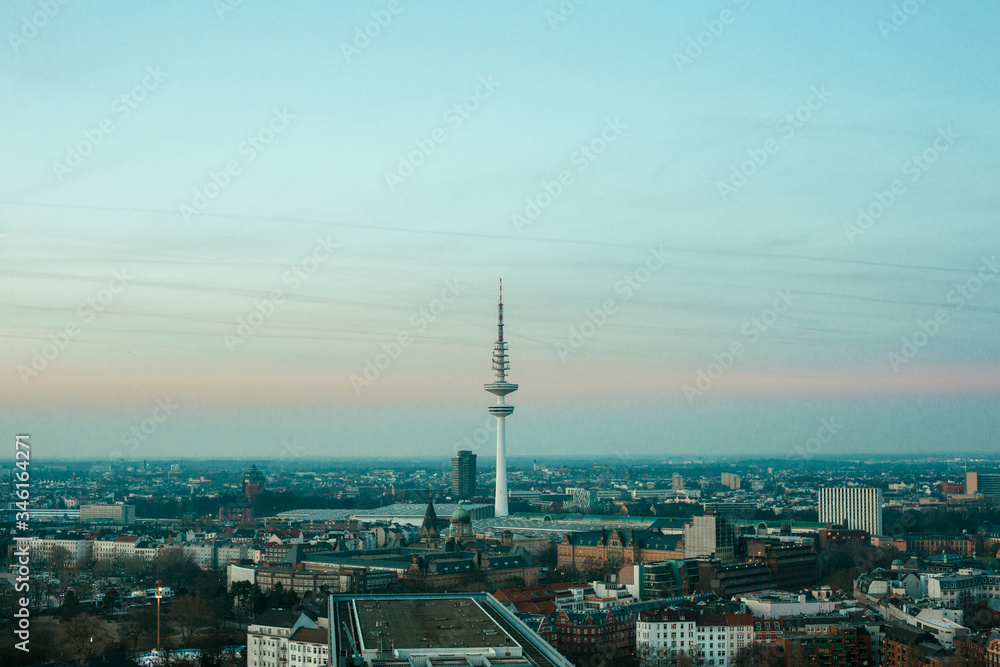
(277, 230)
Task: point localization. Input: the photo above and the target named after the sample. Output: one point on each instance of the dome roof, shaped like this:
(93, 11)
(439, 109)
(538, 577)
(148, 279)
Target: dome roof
(254, 475)
(897, 562)
(461, 515)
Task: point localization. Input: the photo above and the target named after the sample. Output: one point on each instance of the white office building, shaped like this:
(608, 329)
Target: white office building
(856, 507)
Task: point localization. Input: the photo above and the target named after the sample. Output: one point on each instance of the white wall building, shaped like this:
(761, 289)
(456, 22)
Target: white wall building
(268, 637)
(717, 637)
(859, 508)
(308, 647)
(77, 548)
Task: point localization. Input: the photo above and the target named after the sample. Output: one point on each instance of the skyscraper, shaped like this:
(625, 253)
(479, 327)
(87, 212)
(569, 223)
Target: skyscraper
(463, 474)
(500, 409)
(858, 508)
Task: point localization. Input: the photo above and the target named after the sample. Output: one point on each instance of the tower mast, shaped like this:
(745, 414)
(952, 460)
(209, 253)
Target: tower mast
(500, 388)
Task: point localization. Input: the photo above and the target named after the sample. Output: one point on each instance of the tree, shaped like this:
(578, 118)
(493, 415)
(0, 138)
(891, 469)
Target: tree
(138, 623)
(57, 561)
(112, 598)
(86, 635)
(189, 612)
(751, 655)
(70, 606)
(175, 568)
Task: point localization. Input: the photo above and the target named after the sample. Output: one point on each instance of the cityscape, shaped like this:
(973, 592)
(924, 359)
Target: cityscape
(276, 276)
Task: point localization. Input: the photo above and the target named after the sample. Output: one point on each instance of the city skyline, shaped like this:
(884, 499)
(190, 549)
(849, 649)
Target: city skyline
(734, 228)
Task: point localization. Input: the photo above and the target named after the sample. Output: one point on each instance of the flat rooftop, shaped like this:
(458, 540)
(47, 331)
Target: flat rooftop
(407, 624)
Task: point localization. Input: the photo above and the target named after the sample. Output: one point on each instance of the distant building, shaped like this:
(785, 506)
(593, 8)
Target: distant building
(833, 537)
(254, 483)
(936, 543)
(727, 580)
(463, 475)
(664, 579)
(842, 646)
(732, 482)
(857, 508)
(984, 484)
(710, 535)
(120, 513)
(793, 566)
(595, 549)
(236, 512)
(677, 482)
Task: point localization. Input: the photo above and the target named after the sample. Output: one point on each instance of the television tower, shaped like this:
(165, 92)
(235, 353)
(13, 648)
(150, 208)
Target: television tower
(500, 409)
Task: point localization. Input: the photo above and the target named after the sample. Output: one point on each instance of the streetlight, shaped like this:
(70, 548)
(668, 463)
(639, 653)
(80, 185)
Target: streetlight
(159, 594)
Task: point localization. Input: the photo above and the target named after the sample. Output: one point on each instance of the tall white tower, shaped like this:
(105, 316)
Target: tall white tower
(500, 409)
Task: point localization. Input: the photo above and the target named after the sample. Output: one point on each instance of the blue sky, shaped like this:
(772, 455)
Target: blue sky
(658, 184)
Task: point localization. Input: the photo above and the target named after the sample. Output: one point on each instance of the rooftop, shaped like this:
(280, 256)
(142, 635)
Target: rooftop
(427, 623)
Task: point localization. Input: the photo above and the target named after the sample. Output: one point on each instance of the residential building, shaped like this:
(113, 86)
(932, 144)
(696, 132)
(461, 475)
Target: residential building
(715, 638)
(309, 647)
(77, 548)
(269, 634)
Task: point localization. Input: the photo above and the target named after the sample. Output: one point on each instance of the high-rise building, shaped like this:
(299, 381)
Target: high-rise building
(463, 474)
(500, 409)
(983, 484)
(859, 508)
(732, 482)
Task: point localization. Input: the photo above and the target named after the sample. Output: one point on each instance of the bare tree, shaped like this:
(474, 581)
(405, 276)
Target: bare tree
(86, 635)
(189, 612)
